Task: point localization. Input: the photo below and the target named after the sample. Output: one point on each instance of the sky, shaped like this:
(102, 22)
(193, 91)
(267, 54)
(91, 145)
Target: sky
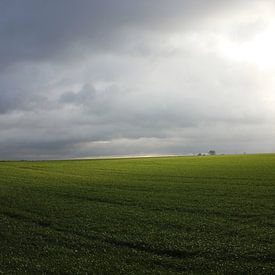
(82, 78)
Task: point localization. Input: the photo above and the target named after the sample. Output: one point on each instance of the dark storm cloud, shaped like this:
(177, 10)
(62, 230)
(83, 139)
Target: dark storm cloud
(37, 29)
(105, 77)
(19, 99)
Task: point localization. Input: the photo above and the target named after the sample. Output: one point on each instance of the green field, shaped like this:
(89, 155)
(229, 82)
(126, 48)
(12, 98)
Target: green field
(168, 215)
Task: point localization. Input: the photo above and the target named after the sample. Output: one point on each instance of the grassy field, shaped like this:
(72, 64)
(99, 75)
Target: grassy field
(171, 215)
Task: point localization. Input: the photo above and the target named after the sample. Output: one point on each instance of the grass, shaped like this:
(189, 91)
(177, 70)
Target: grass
(169, 215)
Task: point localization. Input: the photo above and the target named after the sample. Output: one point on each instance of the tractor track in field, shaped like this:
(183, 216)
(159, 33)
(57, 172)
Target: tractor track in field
(136, 246)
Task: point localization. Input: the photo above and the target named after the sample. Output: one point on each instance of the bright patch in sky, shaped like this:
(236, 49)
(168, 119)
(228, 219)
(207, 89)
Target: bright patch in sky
(259, 50)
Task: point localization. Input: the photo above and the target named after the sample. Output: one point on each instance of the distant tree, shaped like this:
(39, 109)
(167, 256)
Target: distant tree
(212, 152)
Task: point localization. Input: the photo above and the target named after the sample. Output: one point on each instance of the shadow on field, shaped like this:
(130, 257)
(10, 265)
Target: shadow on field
(138, 246)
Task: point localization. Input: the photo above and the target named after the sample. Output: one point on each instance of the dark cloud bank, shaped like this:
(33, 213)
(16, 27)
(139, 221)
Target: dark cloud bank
(93, 78)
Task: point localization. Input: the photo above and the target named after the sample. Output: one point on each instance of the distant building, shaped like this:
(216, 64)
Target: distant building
(212, 152)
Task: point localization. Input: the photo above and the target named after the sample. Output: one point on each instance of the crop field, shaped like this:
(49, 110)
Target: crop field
(168, 215)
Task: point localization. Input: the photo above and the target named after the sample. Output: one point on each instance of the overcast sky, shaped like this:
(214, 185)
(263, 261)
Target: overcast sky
(125, 77)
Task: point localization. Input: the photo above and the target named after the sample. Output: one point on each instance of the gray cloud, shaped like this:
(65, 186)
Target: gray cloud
(19, 99)
(80, 78)
(39, 30)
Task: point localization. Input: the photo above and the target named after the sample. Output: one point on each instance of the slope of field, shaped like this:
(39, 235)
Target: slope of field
(135, 216)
